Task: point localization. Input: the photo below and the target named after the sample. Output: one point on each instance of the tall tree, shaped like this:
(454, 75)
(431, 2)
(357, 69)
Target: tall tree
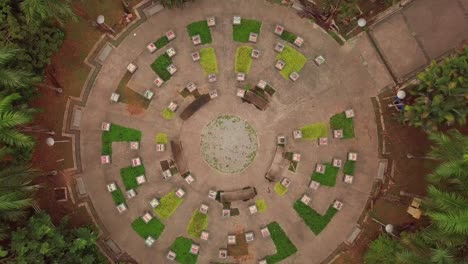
(13, 78)
(38, 11)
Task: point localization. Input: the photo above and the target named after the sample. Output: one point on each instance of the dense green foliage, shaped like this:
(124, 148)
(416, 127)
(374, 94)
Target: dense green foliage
(118, 134)
(243, 59)
(161, 42)
(200, 28)
(284, 246)
(382, 250)
(314, 131)
(208, 60)
(197, 224)
(328, 178)
(41, 242)
(168, 205)
(349, 167)
(153, 228)
(181, 247)
(312, 219)
(159, 66)
(288, 36)
(294, 60)
(118, 196)
(241, 32)
(339, 121)
(441, 97)
(129, 175)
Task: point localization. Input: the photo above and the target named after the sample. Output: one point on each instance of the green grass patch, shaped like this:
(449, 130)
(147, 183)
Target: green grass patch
(118, 196)
(336, 37)
(160, 64)
(197, 224)
(241, 32)
(161, 42)
(328, 178)
(161, 138)
(118, 134)
(168, 205)
(181, 246)
(314, 131)
(167, 114)
(153, 228)
(243, 59)
(349, 167)
(129, 96)
(280, 189)
(312, 219)
(288, 36)
(129, 175)
(294, 60)
(284, 246)
(339, 121)
(200, 28)
(208, 60)
(261, 205)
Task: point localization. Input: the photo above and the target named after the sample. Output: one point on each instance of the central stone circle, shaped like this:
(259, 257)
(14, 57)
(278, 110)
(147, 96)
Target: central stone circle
(229, 144)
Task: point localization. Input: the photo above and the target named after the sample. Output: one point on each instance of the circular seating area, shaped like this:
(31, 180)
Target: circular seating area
(284, 170)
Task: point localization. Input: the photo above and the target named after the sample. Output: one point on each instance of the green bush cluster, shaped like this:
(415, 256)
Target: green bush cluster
(118, 196)
(284, 246)
(118, 134)
(208, 60)
(339, 121)
(294, 60)
(349, 167)
(153, 228)
(197, 224)
(241, 32)
(243, 59)
(288, 36)
(181, 246)
(161, 42)
(159, 66)
(312, 219)
(314, 131)
(200, 28)
(168, 205)
(328, 178)
(129, 175)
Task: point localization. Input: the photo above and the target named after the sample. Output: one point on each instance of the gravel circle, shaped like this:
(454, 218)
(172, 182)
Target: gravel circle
(229, 144)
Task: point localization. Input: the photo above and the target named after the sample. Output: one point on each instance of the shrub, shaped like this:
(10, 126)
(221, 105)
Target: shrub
(161, 138)
(241, 32)
(280, 189)
(294, 60)
(161, 42)
(208, 60)
(168, 205)
(129, 175)
(328, 178)
(339, 121)
(197, 224)
(118, 196)
(118, 134)
(284, 246)
(153, 228)
(181, 247)
(159, 66)
(261, 205)
(200, 28)
(349, 167)
(314, 131)
(312, 219)
(243, 59)
(167, 114)
(382, 250)
(288, 36)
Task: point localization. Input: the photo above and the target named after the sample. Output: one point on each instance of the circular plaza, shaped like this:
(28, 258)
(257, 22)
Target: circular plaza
(229, 131)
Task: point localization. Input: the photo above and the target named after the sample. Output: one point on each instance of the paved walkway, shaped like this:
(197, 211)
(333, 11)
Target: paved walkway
(353, 73)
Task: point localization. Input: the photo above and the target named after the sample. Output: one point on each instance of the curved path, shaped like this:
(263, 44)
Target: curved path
(343, 82)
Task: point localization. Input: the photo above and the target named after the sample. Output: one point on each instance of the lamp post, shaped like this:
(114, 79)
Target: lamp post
(362, 22)
(51, 141)
(100, 20)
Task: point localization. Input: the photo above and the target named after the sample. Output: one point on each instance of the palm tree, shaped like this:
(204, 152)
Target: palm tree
(38, 11)
(10, 120)
(11, 77)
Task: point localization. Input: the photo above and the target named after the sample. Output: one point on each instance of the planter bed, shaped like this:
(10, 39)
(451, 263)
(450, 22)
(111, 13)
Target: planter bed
(161, 42)
(328, 178)
(288, 36)
(349, 167)
(208, 61)
(314, 131)
(129, 96)
(339, 121)
(280, 189)
(197, 224)
(312, 219)
(294, 60)
(261, 205)
(161, 138)
(168, 205)
(195, 106)
(284, 246)
(243, 59)
(241, 32)
(200, 28)
(118, 196)
(153, 228)
(129, 175)
(159, 66)
(181, 246)
(118, 134)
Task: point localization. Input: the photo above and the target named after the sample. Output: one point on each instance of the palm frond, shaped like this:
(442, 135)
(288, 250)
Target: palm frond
(11, 119)
(14, 138)
(451, 222)
(445, 201)
(6, 102)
